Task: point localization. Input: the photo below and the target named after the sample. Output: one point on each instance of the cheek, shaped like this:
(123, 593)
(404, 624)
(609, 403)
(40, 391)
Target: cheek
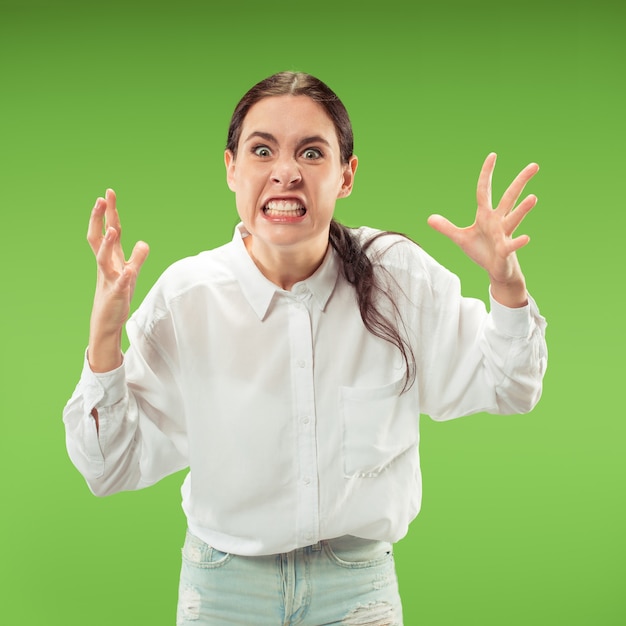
(248, 194)
(244, 185)
(333, 187)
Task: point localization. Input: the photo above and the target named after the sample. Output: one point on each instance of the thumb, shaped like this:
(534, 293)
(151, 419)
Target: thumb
(139, 254)
(443, 225)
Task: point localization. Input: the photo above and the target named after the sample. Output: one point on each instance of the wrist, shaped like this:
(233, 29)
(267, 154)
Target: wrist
(104, 353)
(511, 294)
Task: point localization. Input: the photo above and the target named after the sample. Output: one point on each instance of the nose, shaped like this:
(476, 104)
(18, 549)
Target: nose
(286, 172)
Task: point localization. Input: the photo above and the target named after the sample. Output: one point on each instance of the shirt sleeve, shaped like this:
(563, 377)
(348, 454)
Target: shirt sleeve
(140, 436)
(470, 359)
(477, 361)
(514, 344)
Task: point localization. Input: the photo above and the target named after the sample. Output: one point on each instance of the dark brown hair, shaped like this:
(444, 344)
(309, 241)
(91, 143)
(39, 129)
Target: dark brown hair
(356, 265)
(295, 84)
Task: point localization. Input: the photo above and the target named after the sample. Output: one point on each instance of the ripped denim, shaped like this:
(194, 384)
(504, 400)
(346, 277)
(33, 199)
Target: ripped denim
(341, 582)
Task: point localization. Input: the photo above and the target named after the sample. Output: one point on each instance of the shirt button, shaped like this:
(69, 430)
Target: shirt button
(306, 481)
(300, 363)
(305, 420)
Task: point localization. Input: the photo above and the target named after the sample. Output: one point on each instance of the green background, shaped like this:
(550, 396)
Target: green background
(523, 517)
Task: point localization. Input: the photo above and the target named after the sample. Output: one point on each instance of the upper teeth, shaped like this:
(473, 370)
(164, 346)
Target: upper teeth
(284, 205)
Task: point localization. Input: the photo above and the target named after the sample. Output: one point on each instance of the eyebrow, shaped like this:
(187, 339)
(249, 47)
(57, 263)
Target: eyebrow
(305, 140)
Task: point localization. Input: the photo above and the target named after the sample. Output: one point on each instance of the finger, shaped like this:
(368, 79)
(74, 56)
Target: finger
(129, 274)
(517, 243)
(112, 215)
(96, 222)
(444, 226)
(515, 217)
(125, 282)
(113, 220)
(108, 254)
(139, 255)
(483, 190)
(514, 190)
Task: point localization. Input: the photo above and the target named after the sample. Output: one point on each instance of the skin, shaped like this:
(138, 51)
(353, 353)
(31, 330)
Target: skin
(489, 240)
(115, 284)
(288, 150)
(277, 159)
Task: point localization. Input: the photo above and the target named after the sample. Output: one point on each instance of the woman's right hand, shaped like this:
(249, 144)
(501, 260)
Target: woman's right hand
(115, 284)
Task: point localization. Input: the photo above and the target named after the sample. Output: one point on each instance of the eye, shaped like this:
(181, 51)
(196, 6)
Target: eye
(310, 154)
(262, 151)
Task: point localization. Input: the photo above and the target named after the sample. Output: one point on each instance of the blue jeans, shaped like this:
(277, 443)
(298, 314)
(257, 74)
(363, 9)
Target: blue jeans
(341, 582)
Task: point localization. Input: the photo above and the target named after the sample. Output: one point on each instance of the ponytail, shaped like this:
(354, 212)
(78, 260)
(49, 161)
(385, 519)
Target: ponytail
(358, 270)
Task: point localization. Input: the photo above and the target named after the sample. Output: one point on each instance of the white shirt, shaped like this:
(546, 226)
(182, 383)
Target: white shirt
(286, 410)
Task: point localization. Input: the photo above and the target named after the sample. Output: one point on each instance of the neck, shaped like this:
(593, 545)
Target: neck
(288, 266)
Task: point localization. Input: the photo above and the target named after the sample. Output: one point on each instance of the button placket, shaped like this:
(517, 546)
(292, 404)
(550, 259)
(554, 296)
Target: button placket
(301, 344)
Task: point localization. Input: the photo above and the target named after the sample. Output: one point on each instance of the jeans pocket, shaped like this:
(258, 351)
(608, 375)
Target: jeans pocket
(197, 553)
(353, 552)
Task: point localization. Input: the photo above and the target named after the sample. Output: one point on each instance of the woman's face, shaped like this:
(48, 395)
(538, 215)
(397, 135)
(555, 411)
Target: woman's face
(288, 174)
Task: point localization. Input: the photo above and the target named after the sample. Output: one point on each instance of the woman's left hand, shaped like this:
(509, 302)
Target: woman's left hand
(489, 240)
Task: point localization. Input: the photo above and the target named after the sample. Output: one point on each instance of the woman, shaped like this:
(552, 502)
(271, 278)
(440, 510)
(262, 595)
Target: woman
(288, 369)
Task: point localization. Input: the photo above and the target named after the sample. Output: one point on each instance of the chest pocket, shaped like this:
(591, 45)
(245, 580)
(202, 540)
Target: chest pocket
(378, 427)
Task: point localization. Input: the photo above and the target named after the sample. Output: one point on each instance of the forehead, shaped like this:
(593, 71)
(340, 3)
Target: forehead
(288, 117)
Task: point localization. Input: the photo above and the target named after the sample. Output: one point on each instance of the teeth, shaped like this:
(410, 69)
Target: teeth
(285, 208)
(284, 205)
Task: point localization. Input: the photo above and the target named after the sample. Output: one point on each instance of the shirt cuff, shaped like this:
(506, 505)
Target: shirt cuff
(103, 388)
(515, 322)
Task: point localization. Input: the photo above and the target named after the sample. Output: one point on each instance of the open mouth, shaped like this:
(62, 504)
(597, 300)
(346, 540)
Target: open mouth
(284, 208)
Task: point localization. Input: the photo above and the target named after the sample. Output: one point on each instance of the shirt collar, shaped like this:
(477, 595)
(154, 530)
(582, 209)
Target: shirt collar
(260, 291)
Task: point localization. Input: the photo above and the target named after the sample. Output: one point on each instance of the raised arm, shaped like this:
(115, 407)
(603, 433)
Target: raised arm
(125, 425)
(489, 240)
(115, 284)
